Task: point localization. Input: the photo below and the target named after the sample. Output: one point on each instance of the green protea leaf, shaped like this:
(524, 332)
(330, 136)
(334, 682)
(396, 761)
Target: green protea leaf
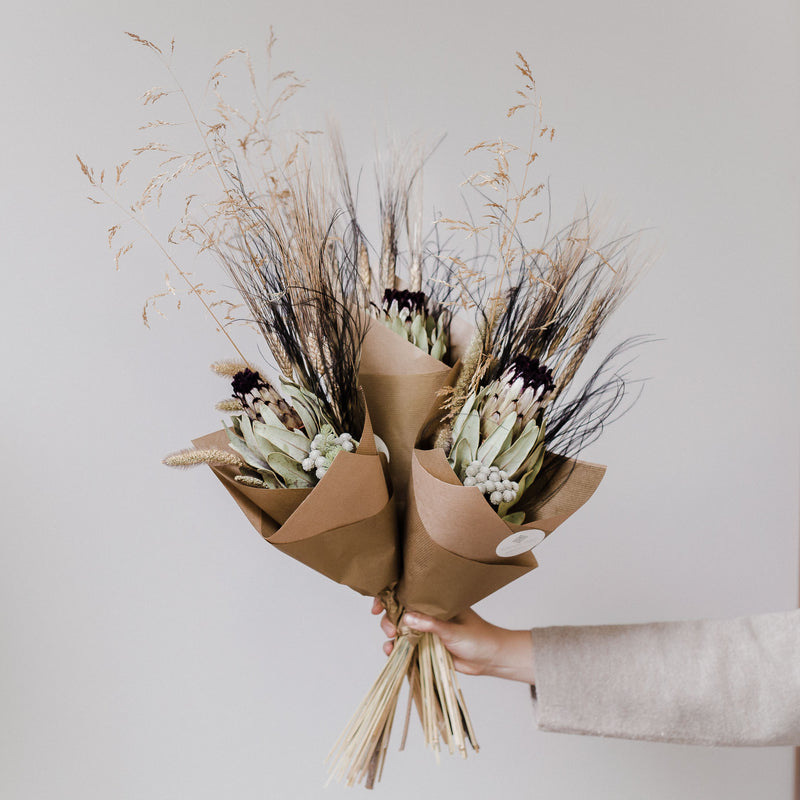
(398, 326)
(461, 456)
(439, 347)
(488, 427)
(253, 444)
(292, 443)
(270, 479)
(310, 422)
(497, 441)
(534, 461)
(461, 418)
(288, 469)
(416, 325)
(238, 446)
(515, 518)
(515, 456)
(307, 407)
(418, 333)
(268, 415)
(471, 433)
(525, 482)
(503, 508)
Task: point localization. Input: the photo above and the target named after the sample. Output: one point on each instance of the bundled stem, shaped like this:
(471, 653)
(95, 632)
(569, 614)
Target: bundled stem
(422, 659)
(362, 746)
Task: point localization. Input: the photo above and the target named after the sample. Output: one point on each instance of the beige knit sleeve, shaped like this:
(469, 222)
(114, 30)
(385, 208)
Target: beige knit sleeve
(712, 682)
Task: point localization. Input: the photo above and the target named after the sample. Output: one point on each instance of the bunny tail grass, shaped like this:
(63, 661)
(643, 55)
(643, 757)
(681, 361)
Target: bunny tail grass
(192, 458)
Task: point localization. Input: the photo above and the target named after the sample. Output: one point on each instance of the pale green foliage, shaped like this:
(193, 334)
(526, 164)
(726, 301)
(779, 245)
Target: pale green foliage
(501, 445)
(273, 454)
(424, 330)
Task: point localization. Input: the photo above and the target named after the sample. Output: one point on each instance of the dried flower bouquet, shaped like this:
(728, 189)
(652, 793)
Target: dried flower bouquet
(426, 410)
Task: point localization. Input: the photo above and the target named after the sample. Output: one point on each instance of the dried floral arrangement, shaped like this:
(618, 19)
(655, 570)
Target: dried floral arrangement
(425, 416)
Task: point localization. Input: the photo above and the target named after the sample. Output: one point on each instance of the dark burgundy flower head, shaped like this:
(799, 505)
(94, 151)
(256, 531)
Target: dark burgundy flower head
(413, 301)
(533, 373)
(246, 381)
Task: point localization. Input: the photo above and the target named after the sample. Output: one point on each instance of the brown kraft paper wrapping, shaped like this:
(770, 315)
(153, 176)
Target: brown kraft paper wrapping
(345, 527)
(451, 533)
(401, 384)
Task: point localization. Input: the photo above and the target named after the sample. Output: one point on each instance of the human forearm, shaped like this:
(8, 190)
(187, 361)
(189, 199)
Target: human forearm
(513, 659)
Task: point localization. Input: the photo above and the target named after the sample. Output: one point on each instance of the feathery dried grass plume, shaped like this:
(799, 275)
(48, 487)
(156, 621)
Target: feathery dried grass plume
(555, 310)
(540, 313)
(414, 233)
(298, 279)
(172, 172)
(248, 196)
(398, 175)
(516, 397)
(506, 195)
(347, 198)
(544, 302)
(408, 285)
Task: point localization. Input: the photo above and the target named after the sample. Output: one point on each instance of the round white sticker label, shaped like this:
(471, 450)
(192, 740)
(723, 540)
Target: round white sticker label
(520, 542)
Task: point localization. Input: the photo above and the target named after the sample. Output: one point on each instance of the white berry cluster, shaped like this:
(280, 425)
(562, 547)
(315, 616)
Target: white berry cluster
(324, 448)
(491, 481)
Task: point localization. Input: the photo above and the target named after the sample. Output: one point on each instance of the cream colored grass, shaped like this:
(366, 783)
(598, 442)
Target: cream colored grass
(359, 754)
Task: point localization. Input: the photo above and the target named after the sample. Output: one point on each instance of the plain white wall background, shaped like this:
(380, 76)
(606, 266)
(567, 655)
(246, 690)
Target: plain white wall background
(152, 645)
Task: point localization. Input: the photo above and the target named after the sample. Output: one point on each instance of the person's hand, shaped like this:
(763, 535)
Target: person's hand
(477, 646)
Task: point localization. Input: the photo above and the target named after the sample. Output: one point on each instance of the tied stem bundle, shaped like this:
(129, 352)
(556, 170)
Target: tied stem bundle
(443, 710)
(422, 660)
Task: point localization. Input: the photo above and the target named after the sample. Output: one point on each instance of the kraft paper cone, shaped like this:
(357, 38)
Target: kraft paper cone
(452, 533)
(345, 527)
(401, 384)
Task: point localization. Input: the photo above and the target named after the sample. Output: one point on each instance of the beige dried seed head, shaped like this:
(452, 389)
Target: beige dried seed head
(229, 406)
(227, 368)
(210, 456)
